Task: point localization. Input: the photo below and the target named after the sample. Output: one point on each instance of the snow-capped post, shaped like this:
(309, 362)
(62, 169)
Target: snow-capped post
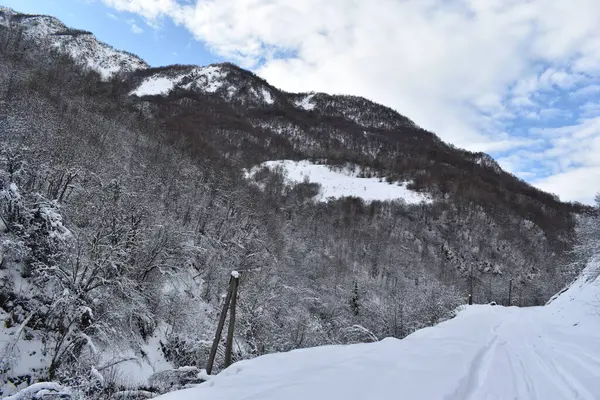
(215, 345)
(229, 345)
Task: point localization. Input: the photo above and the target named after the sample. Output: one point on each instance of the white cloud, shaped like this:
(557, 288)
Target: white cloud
(579, 184)
(590, 109)
(135, 28)
(461, 68)
(571, 158)
(554, 113)
(586, 91)
(150, 9)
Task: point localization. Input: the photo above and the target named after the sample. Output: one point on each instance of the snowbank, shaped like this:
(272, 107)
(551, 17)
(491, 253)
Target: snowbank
(486, 352)
(338, 183)
(40, 389)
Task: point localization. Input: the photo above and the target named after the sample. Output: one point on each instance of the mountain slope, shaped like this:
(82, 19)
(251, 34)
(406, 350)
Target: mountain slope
(485, 352)
(246, 118)
(80, 45)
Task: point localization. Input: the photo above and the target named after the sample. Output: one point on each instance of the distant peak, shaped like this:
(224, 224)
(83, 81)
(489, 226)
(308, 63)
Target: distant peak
(50, 33)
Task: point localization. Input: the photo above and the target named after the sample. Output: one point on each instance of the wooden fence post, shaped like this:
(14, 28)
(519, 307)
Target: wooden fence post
(215, 345)
(229, 343)
(509, 292)
(471, 286)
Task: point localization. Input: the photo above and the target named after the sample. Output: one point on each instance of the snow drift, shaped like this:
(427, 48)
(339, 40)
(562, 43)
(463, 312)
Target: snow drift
(486, 352)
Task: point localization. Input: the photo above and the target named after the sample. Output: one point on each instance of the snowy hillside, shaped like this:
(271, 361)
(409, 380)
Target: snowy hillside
(486, 352)
(218, 79)
(205, 79)
(81, 45)
(338, 183)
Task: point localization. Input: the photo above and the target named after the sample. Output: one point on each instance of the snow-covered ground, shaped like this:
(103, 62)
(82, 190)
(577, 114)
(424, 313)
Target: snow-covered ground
(486, 352)
(135, 373)
(338, 183)
(305, 103)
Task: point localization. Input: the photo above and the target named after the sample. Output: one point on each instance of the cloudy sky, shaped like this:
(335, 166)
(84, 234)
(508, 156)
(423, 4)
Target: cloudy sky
(519, 79)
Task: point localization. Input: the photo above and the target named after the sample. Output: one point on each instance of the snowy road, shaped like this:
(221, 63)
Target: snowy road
(527, 356)
(486, 352)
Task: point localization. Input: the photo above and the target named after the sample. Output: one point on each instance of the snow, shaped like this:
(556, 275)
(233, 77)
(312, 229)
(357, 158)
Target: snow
(13, 188)
(90, 343)
(35, 390)
(98, 56)
(19, 353)
(136, 370)
(202, 374)
(206, 79)
(54, 221)
(235, 274)
(340, 183)
(267, 96)
(133, 394)
(187, 368)
(97, 375)
(485, 352)
(155, 85)
(213, 77)
(305, 103)
(86, 310)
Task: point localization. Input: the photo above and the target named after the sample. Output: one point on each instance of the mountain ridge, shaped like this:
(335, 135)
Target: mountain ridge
(133, 68)
(81, 45)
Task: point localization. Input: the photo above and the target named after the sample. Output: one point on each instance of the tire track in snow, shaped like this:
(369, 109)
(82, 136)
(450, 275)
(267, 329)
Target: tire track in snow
(475, 378)
(521, 373)
(569, 381)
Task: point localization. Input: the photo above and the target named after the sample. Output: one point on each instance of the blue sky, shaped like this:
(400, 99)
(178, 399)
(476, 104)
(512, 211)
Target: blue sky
(518, 80)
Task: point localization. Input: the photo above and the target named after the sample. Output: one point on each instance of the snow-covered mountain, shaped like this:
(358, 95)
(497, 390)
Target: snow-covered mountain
(486, 352)
(245, 89)
(80, 45)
